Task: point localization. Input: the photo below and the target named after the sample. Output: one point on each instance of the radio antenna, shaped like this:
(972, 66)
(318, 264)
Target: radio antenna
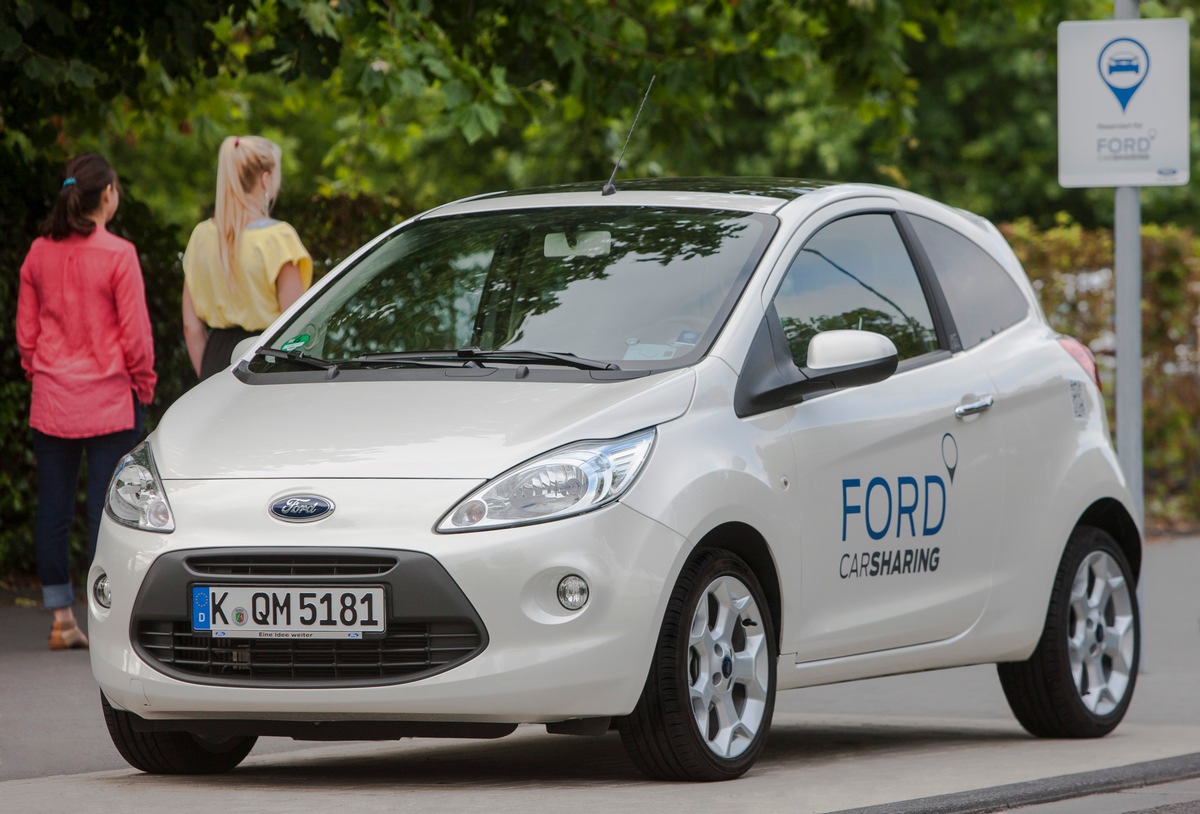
(609, 188)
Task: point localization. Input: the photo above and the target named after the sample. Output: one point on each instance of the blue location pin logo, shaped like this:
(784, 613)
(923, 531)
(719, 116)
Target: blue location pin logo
(1124, 64)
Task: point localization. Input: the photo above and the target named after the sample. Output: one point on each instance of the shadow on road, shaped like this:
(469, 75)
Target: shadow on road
(533, 759)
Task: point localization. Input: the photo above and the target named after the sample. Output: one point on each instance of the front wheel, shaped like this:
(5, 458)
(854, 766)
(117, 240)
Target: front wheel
(706, 708)
(1079, 681)
(172, 752)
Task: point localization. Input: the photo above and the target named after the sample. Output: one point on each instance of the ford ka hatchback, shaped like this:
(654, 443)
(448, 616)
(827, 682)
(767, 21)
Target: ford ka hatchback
(632, 461)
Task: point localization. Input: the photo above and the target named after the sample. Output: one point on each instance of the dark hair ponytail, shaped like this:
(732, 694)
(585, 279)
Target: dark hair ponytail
(85, 178)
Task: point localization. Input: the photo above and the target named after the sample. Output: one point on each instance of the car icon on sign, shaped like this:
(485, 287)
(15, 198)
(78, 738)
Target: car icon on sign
(1123, 63)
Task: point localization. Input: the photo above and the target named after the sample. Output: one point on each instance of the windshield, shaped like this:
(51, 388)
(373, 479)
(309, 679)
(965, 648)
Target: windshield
(635, 287)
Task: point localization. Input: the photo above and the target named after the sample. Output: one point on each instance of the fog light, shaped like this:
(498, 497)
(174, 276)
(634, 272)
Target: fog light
(572, 592)
(102, 591)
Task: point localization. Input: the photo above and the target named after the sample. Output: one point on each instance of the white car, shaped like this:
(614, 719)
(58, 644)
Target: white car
(633, 461)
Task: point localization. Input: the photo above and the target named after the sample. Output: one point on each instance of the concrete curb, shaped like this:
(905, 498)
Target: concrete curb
(1053, 789)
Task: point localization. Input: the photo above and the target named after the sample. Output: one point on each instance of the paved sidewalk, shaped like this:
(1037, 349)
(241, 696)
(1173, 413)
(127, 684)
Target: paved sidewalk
(814, 764)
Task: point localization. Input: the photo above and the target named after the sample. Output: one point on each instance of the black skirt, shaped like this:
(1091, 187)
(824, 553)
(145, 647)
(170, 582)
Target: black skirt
(220, 345)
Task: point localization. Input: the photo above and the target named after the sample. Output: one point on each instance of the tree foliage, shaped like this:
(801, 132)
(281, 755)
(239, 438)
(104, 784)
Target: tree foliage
(414, 101)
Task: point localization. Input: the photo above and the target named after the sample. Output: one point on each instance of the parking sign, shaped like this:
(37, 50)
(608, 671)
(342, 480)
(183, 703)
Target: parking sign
(1123, 103)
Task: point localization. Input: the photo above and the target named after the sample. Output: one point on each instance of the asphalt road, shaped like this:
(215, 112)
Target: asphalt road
(934, 742)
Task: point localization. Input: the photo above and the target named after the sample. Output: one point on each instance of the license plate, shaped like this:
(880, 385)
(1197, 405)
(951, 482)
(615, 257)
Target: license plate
(288, 612)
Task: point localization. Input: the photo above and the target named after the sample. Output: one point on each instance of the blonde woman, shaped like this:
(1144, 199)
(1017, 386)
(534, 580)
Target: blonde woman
(242, 268)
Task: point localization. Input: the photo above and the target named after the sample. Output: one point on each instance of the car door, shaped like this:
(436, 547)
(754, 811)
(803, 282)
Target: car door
(898, 481)
(991, 318)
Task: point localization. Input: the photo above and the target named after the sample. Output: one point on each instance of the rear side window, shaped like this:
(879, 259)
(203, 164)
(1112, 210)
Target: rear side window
(855, 273)
(983, 298)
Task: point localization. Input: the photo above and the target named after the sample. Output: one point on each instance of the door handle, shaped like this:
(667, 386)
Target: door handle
(974, 408)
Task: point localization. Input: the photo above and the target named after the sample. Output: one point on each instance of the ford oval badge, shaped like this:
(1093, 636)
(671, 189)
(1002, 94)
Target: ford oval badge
(302, 508)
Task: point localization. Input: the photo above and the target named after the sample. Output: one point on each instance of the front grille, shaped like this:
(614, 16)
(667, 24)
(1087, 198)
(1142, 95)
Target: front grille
(290, 565)
(409, 651)
(431, 625)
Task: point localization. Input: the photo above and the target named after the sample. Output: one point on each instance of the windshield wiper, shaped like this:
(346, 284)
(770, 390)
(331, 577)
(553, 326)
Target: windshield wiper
(300, 358)
(473, 354)
(418, 359)
(537, 356)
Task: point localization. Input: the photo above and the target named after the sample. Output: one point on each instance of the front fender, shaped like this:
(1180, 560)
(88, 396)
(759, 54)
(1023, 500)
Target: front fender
(693, 485)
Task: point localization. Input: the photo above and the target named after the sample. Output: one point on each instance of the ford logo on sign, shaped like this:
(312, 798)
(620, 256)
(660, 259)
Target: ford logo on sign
(302, 508)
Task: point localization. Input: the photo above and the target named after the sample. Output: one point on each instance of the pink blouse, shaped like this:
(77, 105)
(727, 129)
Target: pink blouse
(84, 334)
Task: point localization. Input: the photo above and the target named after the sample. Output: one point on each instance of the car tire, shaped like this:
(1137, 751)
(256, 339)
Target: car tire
(172, 752)
(707, 704)
(1079, 681)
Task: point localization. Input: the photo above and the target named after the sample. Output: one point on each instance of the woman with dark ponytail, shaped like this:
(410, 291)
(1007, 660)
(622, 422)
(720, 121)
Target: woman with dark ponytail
(84, 336)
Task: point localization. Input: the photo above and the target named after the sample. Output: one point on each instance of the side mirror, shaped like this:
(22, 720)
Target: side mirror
(836, 360)
(851, 358)
(243, 347)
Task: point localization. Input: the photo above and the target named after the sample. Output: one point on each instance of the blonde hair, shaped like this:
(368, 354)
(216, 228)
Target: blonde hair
(240, 163)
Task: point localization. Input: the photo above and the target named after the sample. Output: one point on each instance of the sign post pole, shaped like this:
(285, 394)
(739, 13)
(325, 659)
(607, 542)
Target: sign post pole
(1127, 268)
(1127, 256)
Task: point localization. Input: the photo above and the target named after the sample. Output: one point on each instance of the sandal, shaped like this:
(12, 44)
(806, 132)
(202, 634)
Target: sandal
(67, 636)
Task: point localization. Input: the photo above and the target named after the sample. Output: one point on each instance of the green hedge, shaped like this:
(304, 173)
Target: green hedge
(1069, 267)
(1072, 270)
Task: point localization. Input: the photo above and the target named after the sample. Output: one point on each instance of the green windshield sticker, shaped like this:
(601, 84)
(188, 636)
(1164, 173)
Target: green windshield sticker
(296, 342)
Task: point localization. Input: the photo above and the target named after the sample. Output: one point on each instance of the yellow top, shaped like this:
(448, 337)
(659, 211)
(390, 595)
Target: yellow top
(264, 248)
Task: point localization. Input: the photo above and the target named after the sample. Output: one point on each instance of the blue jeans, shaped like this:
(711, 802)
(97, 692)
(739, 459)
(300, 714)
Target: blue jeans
(57, 479)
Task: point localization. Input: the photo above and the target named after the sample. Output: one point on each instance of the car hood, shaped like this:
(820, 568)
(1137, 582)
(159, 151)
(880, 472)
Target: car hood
(225, 428)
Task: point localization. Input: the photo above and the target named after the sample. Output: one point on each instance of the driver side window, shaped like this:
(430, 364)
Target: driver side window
(855, 273)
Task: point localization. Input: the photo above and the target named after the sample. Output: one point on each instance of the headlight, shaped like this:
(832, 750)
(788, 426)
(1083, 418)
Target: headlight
(136, 496)
(567, 481)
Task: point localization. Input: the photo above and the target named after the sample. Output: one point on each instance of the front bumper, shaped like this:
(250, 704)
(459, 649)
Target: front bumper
(533, 661)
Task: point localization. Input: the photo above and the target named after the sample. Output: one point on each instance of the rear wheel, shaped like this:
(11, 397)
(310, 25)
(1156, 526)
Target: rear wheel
(706, 708)
(172, 752)
(1079, 681)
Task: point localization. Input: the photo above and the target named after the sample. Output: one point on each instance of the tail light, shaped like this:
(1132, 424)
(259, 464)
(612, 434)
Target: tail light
(1082, 354)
